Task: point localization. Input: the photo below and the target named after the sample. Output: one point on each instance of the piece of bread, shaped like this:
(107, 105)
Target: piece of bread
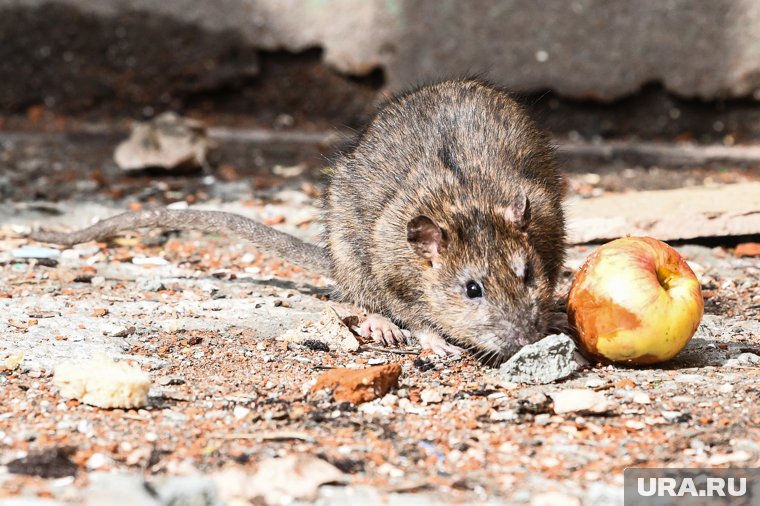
(104, 383)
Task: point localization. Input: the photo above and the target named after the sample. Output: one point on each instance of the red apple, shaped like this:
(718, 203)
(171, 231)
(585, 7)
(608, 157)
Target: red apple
(635, 301)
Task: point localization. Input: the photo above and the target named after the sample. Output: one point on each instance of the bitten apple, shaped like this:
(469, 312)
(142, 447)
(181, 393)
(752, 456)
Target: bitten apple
(635, 301)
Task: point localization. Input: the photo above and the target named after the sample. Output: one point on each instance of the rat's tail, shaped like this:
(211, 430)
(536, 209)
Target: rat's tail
(280, 244)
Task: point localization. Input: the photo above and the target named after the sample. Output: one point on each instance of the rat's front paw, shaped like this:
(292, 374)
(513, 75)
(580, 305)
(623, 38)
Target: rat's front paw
(383, 331)
(433, 341)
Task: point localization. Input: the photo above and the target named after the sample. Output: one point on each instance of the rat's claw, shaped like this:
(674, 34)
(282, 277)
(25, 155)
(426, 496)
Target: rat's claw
(401, 335)
(433, 341)
(382, 330)
(377, 336)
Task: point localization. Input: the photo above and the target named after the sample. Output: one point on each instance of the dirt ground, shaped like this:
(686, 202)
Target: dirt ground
(212, 321)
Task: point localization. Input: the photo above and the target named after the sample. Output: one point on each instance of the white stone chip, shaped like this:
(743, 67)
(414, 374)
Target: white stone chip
(103, 382)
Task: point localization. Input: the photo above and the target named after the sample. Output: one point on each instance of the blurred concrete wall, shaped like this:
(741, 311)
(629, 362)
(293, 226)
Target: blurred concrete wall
(598, 49)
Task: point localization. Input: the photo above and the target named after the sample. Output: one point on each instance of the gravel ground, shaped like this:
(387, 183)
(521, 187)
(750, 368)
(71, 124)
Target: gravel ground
(225, 334)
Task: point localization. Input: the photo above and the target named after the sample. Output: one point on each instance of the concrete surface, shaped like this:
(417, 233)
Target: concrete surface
(206, 316)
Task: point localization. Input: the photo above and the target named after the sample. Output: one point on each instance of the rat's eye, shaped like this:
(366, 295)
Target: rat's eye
(474, 290)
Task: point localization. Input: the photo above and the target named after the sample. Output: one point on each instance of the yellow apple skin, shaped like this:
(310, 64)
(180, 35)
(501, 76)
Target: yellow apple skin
(635, 301)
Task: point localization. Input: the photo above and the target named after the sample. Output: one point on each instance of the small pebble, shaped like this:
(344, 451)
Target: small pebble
(372, 408)
(505, 415)
(240, 412)
(689, 378)
(70, 254)
(431, 396)
(594, 381)
(36, 252)
(173, 325)
(389, 400)
(748, 359)
(180, 204)
(170, 380)
(145, 285)
(423, 364)
(534, 403)
(641, 398)
(96, 461)
(670, 415)
(316, 345)
(719, 460)
(390, 470)
(579, 400)
(143, 260)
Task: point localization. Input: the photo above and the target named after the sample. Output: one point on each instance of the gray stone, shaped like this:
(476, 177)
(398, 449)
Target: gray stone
(106, 488)
(748, 359)
(550, 359)
(145, 285)
(194, 490)
(168, 141)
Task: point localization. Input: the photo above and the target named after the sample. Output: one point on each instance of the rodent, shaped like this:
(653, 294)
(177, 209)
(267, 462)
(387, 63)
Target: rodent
(444, 216)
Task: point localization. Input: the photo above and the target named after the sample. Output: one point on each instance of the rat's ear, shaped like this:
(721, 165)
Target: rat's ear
(426, 238)
(518, 212)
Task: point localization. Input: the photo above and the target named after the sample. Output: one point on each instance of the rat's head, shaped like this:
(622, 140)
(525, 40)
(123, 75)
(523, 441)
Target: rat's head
(484, 282)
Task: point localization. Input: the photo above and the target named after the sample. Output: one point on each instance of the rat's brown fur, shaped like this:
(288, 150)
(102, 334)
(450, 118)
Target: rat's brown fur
(460, 153)
(449, 184)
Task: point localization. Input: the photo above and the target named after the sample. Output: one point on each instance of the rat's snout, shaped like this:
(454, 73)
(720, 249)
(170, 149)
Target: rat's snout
(514, 335)
(530, 328)
(523, 335)
(518, 325)
(505, 339)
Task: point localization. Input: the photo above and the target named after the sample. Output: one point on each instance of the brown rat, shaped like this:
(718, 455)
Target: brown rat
(445, 217)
